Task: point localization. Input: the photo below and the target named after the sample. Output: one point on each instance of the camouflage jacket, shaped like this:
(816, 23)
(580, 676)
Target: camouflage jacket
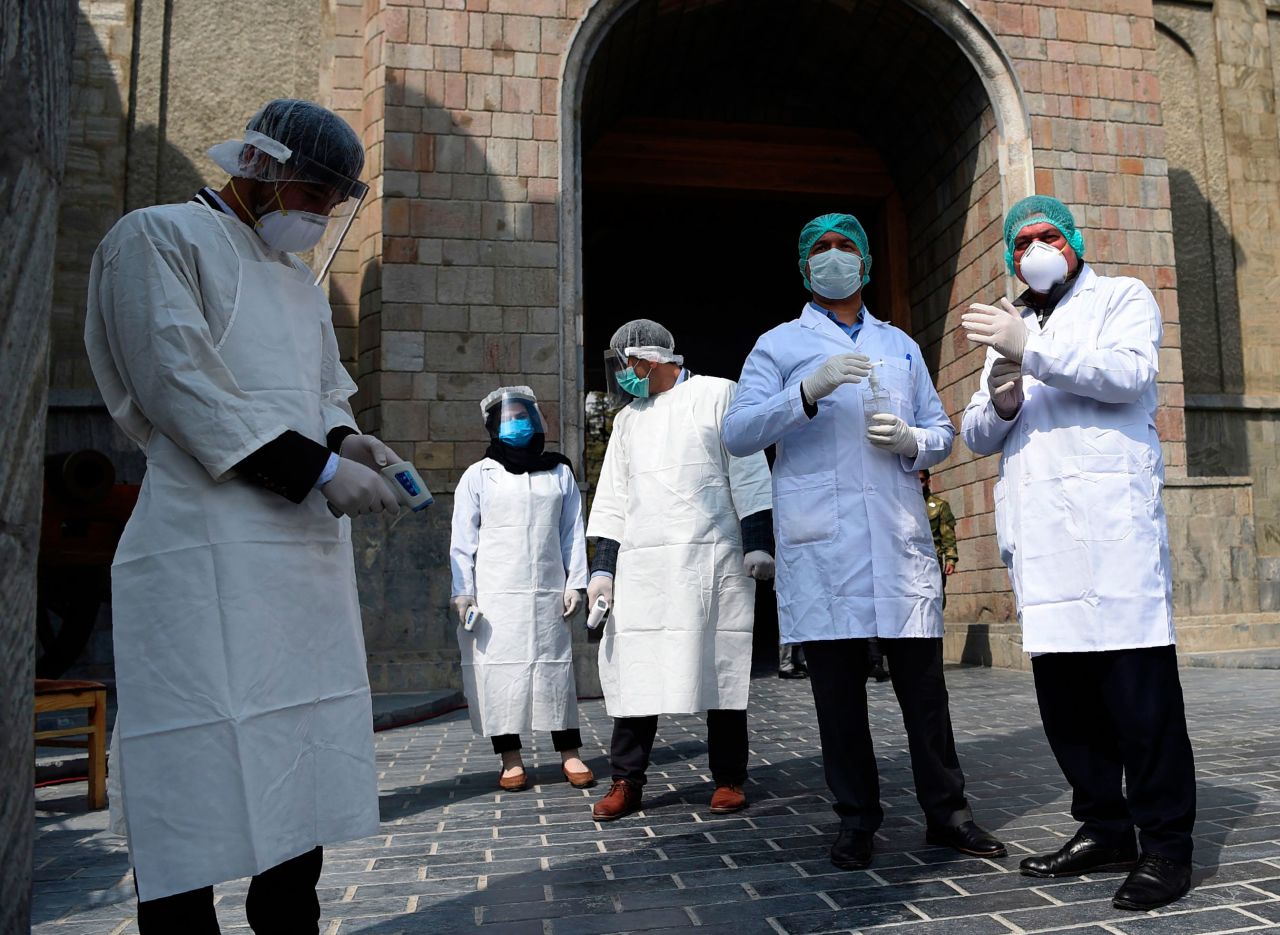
(943, 523)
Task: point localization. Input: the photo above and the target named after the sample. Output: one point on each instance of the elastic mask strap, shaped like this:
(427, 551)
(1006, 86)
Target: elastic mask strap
(235, 191)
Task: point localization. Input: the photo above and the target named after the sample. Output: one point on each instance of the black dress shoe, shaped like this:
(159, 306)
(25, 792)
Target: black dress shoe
(796, 673)
(967, 838)
(879, 674)
(1080, 855)
(1155, 882)
(852, 850)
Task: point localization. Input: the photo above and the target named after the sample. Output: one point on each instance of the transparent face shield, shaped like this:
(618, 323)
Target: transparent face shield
(640, 362)
(350, 194)
(340, 220)
(614, 363)
(261, 158)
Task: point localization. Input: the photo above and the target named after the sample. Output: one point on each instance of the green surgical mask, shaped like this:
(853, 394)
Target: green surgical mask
(630, 383)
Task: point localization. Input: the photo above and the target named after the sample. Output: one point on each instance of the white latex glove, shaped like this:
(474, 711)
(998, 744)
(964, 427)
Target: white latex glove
(1004, 383)
(461, 604)
(889, 432)
(572, 601)
(368, 450)
(600, 586)
(1001, 328)
(758, 565)
(837, 371)
(356, 489)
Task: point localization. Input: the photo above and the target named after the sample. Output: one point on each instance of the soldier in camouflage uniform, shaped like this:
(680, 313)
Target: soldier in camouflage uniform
(943, 522)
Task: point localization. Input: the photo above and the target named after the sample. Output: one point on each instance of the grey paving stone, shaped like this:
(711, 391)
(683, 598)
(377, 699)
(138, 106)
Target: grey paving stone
(841, 920)
(1190, 923)
(457, 855)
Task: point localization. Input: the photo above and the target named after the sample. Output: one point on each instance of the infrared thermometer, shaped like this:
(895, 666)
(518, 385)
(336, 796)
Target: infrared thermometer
(406, 483)
(599, 614)
(469, 622)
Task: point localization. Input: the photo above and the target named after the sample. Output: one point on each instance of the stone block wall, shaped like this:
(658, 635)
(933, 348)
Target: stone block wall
(93, 197)
(469, 280)
(458, 278)
(36, 67)
(1215, 565)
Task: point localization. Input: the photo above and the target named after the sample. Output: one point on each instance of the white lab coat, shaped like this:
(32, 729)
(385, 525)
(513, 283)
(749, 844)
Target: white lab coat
(1079, 519)
(678, 640)
(517, 544)
(244, 734)
(855, 551)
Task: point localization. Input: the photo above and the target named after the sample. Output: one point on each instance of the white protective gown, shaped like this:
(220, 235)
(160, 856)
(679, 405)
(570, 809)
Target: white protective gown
(678, 640)
(855, 550)
(244, 734)
(1079, 519)
(517, 544)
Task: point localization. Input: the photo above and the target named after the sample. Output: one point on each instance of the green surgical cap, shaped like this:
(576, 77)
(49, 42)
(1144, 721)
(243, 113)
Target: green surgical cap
(1035, 209)
(845, 224)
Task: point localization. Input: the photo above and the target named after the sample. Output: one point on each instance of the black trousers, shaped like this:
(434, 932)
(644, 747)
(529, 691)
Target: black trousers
(875, 655)
(790, 658)
(1115, 713)
(838, 677)
(632, 745)
(561, 740)
(281, 901)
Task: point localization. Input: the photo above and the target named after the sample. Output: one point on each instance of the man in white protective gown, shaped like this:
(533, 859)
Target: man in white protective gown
(1068, 397)
(682, 532)
(855, 550)
(519, 562)
(244, 741)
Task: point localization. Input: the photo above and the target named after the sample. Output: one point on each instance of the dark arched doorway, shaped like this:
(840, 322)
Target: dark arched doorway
(709, 131)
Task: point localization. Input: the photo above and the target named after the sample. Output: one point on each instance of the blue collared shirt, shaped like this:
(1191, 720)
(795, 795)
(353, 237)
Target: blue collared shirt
(851, 330)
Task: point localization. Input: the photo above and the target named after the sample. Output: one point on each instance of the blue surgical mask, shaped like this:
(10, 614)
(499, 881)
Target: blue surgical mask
(515, 432)
(630, 383)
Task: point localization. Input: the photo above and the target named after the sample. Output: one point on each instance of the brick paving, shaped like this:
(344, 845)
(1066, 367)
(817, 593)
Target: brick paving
(456, 855)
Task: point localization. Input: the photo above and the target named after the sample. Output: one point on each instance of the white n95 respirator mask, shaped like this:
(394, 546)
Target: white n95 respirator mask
(835, 274)
(291, 231)
(1042, 267)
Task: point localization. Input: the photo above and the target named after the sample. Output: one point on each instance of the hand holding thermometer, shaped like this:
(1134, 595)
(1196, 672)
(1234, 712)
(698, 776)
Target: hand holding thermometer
(407, 484)
(599, 614)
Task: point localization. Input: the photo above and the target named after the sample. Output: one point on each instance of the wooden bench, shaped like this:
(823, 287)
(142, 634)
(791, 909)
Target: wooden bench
(68, 695)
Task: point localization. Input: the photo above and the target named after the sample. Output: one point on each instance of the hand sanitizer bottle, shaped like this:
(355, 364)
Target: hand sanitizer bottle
(876, 398)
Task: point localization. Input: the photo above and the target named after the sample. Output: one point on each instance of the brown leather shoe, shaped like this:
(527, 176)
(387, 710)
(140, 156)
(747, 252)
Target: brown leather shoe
(622, 799)
(514, 783)
(728, 799)
(579, 780)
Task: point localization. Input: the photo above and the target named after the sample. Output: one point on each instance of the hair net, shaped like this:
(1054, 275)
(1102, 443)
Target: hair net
(1035, 209)
(643, 333)
(296, 140)
(511, 402)
(505, 391)
(845, 224)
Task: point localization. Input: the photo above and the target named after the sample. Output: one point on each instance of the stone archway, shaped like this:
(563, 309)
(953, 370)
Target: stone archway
(966, 32)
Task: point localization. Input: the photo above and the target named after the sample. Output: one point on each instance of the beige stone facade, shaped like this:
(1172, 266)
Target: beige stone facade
(543, 170)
